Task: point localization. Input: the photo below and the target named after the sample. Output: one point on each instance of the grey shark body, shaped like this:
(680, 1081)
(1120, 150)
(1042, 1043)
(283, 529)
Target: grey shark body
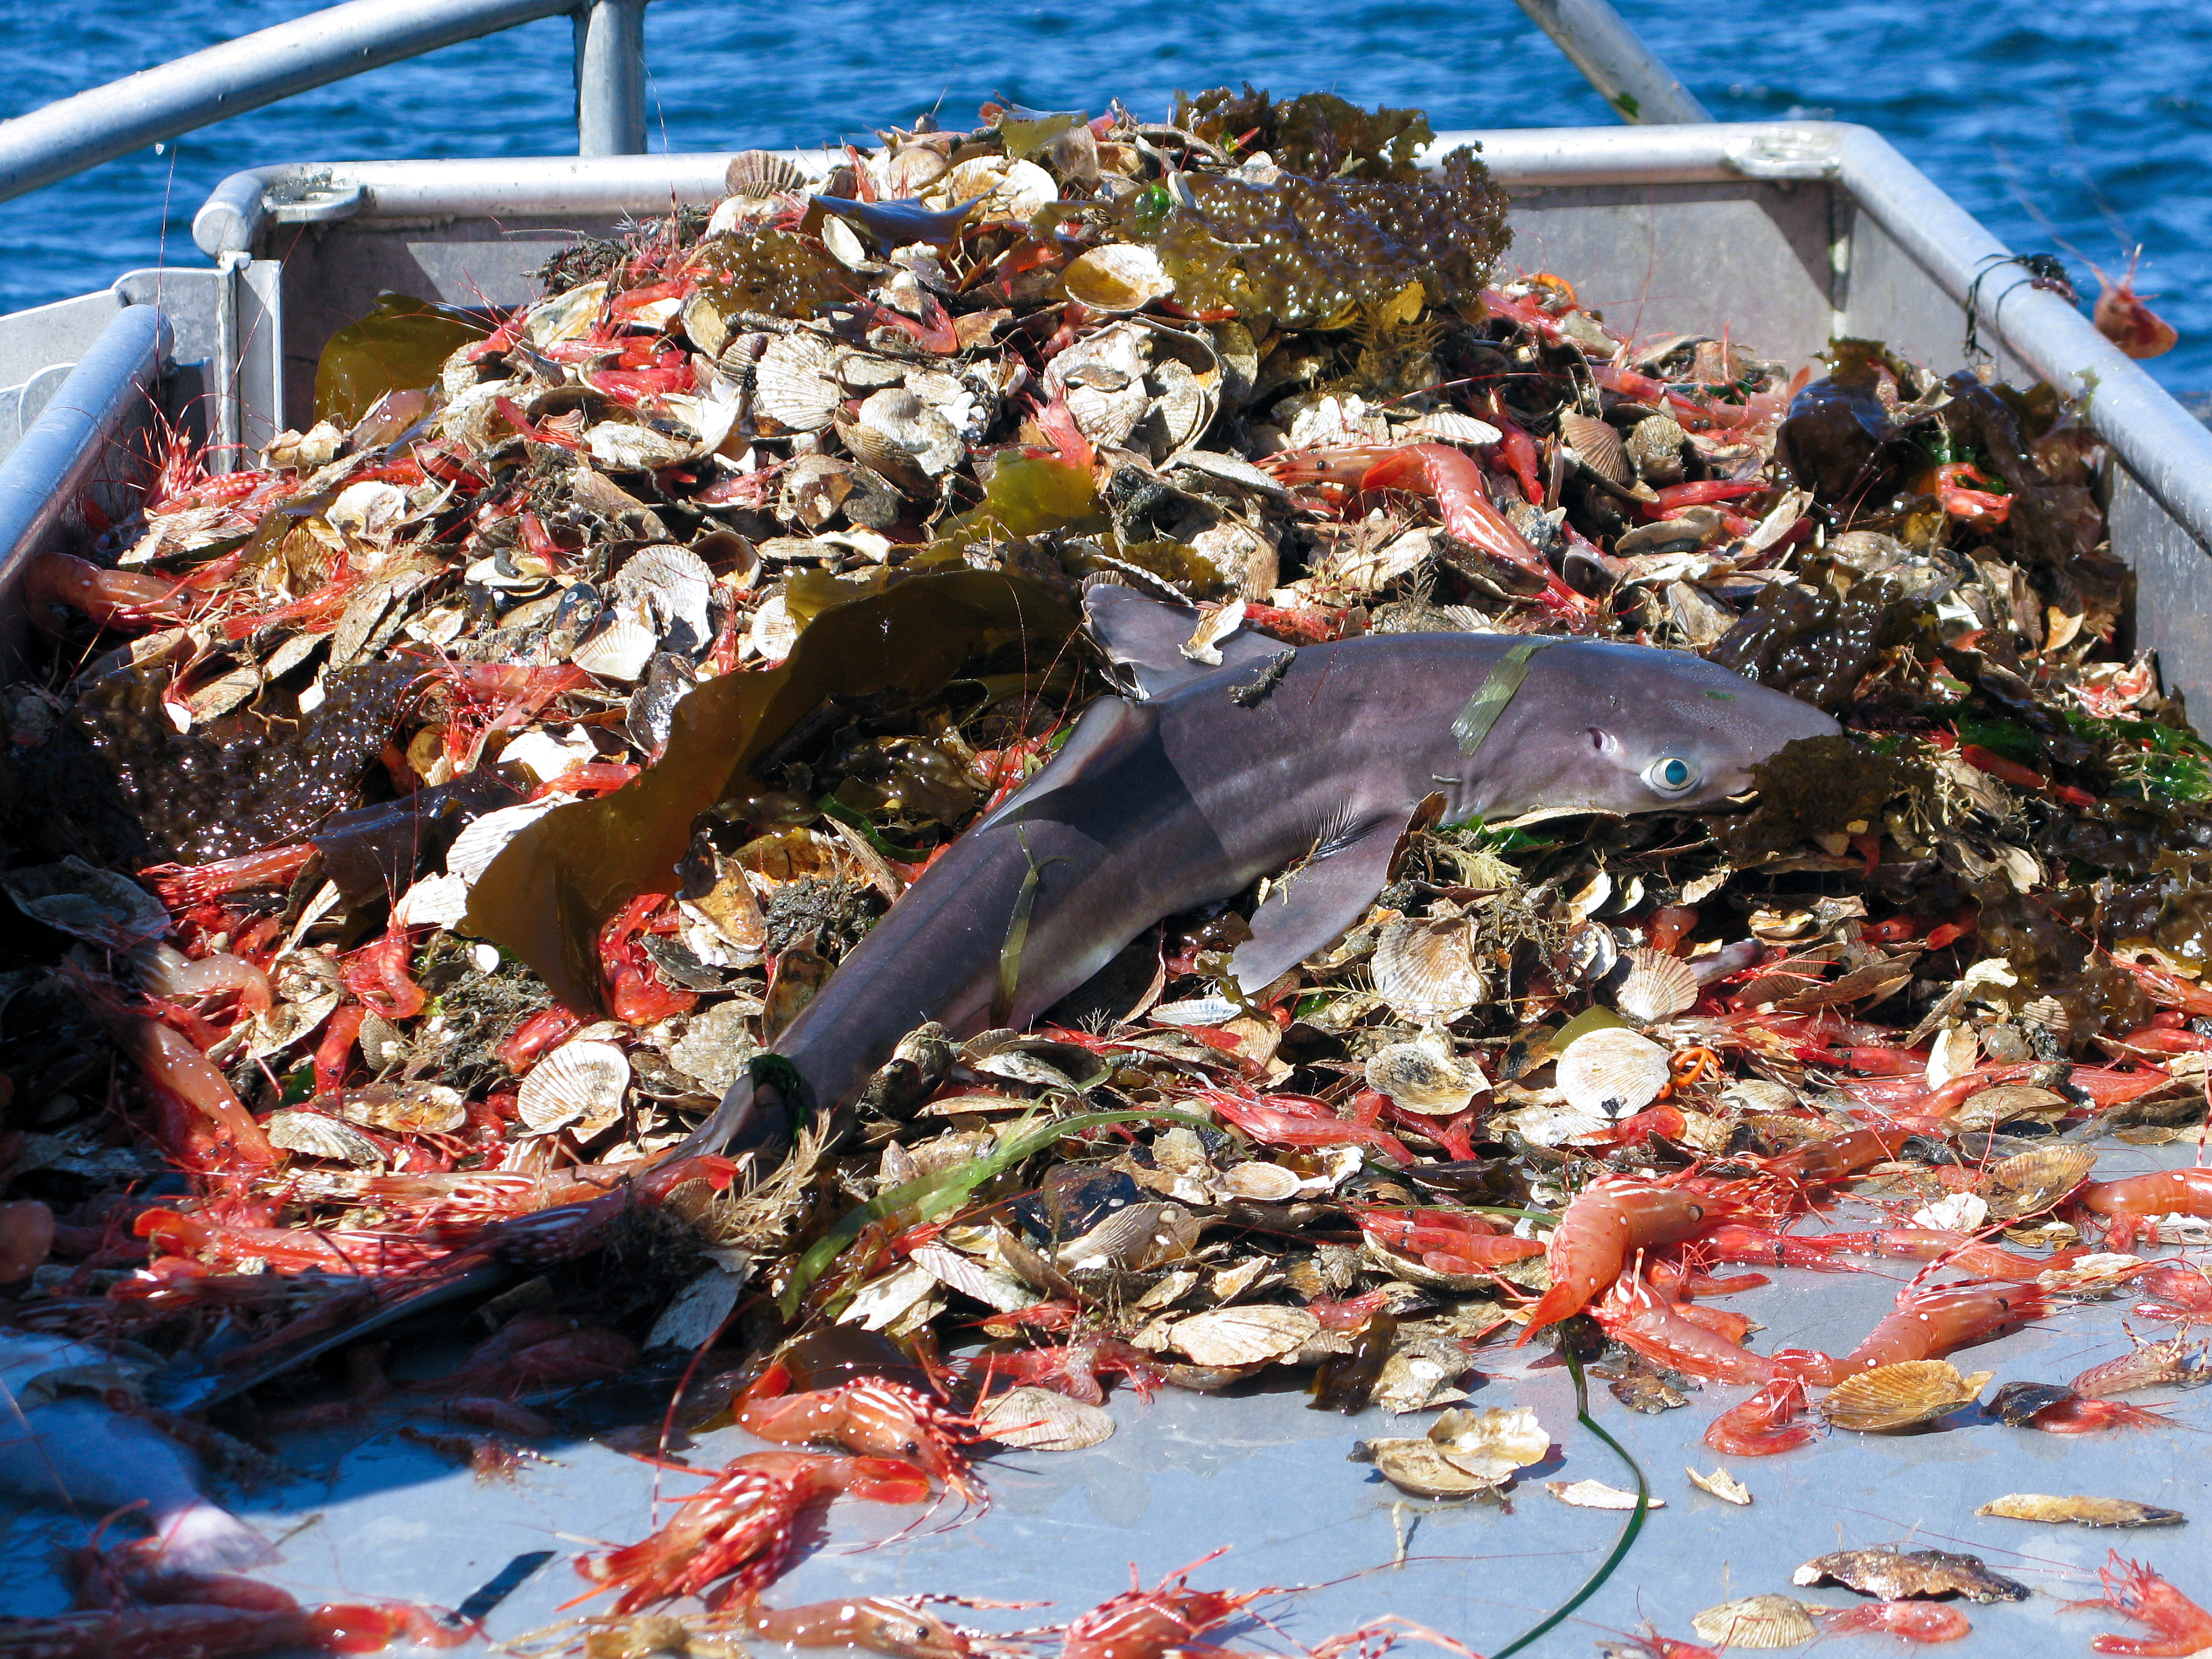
(1220, 776)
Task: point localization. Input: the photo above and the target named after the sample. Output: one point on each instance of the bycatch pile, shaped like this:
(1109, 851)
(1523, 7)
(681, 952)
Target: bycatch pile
(1116, 734)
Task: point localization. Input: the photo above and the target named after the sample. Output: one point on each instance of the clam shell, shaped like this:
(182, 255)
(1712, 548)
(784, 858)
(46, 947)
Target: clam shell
(1658, 987)
(1420, 1080)
(1243, 1336)
(795, 382)
(407, 1108)
(1901, 1395)
(618, 651)
(2080, 1511)
(580, 1085)
(1599, 445)
(1756, 1621)
(319, 1135)
(1038, 1420)
(1119, 276)
(1613, 1069)
(761, 174)
(1264, 1183)
(1425, 970)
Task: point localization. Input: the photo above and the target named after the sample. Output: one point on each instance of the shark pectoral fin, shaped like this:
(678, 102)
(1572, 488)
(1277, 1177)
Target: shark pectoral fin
(1109, 728)
(1311, 908)
(1143, 638)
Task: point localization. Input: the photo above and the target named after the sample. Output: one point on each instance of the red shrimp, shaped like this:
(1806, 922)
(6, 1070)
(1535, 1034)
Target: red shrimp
(1448, 1241)
(2078, 1413)
(377, 974)
(113, 599)
(2122, 317)
(588, 778)
(337, 1047)
(1074, 1369)
(179, 885)
(1146, 1624)
(2134, 1591)
(197, 1236)
(1757, 1247)
(1838, 1157)
(740, 1525)
(636, 995)
(2153, 1365)
(1453, 481)
(535, 1035)
(1288, 1120)
(870, 1415)
(1603, 1223)
(1909, 1621)
(1927, 1323)
(1978, 507)
(168, 973)
(1516, 450)
(1960, 1250)
(171, 1062)
(1637, 1317)
(2129, 1203)
(1764, 1424)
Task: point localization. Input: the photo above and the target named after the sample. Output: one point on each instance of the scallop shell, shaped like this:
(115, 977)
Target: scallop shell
(580, 1085)
(1899, 1396)
(1107, 417)
(672, 583)
(1119, 276)
(1244, 1336)
(761, 174)
(1613, 1069)
(795, 382)
(1451, 426)
(1593, 950)
(406, 1107)
(1756, 1621)
(913, 168)
(1599, 445)
(1141, 1236)
(917, 435)
(1421, 1468)
(625, 447)
(1658, 986)
(565, 316)
(1425, 970)
(1264, 1183)
(774, 630)
(1420, 1080)
(1038, 1420)
(1508, 1435)
(319, 1135)
(1181, 405)
(618, 651)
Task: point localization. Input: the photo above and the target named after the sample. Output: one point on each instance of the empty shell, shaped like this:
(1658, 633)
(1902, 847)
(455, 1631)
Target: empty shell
(761, 174)
(1756, 1621)
(1421, 1468)
(1038, 1420)
(1657, 986)
(1898, 1575)
(1612, 1070)
(1421, 1080)
(1425, 970)
(619, 651)
(1596, 1495)
(1901, 1395)
(406, 1107)
(1721, 1485)
(579, 1086)
(2033, 1180)
(1119, 276)
(1244, 1336)
(1266, 1183)
(795, 384)
(2080, 1511)
(319, 1135)
(1599, 445)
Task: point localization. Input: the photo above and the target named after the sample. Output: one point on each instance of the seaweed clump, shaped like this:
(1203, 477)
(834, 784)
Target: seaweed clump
(1816, 643)
(1317, 133)
(774, 270)
(1311, 252)
(1816, 786)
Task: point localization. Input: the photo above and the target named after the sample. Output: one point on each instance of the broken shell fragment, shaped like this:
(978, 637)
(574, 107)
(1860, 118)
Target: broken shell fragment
(2080, 1511)
(1612, 1070)
(1902, 1575)
(1756, 1621)
(579, 1085)
(1721, 1485)
(1900, 1396)
(1596, 1495)
(1418, 1079)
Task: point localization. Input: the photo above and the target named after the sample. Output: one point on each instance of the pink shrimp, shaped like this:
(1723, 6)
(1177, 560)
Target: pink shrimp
(168, 973)
(1909, 1621)
(1074, 1369)
(1664, 1333)
(883, 1624)
(179, 885)
(1763, 1424)
(1960, 1250)
(2079, 1413)
(1978, 507)
(1453, 481)
(2129, 1203)
(1606, 1221)
(1290, 1120)
(2151, 1366)
(111, 597)
(1146, 1624)
(1837, 1157)
(171, 1062)
(1927, 1323)
(1446, 1241)
(870, 1415)
(2134, 1591)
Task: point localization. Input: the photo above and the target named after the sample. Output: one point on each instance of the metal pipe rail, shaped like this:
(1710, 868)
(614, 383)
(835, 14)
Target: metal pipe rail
(1614, 58)
(74, 133)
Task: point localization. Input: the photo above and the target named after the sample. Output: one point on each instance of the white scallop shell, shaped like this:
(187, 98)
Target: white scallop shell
(1599, 443)
(1107, 417)
(1420, 1080)
(1119, 276)
(626, 447)
(579, 1084)
(760, 173)
(1244, 1336)
(773, 631)
(618, 651)
(671, 584)
(565, 316)
(319, 1135)
(1425, 970)
(1181, 403)
(923, 437)
(1756, 1621)
(1613, 1069)
(1264, 1183)
(1452, 427)
(795, 382)
(1038, 1420)
(1658, 986)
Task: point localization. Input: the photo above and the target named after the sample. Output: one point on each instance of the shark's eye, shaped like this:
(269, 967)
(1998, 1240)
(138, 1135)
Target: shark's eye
(1670, 774)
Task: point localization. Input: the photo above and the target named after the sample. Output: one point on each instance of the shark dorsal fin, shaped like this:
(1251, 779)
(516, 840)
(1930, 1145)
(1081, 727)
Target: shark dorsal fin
(1143, 638)
(1107, 730)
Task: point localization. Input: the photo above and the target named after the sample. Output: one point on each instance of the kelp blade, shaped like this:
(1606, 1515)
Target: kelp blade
(545, 896)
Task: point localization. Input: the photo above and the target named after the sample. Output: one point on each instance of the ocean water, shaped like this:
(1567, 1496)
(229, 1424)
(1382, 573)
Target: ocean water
(2083, 129)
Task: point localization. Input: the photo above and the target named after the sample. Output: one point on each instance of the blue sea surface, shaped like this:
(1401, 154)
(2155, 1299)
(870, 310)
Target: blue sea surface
(2081, 129)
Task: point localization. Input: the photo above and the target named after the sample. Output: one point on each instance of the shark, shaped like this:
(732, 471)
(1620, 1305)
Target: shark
(1306, 765)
